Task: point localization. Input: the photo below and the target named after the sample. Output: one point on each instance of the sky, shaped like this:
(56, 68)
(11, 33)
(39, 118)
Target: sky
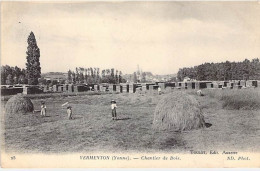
(160, 37)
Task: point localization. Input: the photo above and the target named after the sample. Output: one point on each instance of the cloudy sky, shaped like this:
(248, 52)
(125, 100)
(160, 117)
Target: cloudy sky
(159, 36)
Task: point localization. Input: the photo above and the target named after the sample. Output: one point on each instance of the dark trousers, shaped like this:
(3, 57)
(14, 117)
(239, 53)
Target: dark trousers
(114, 113)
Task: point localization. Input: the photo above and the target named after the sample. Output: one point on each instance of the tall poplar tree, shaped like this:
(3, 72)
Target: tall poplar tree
(33, 68)
(69, 76)
(134, 77)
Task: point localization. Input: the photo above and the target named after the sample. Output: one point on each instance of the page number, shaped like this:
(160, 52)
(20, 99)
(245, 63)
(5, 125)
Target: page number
(13, 158)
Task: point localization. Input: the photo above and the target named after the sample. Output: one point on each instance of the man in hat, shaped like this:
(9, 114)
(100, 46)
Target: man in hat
(159, 90)
(69, 112)
(113, 107)
(43, 109)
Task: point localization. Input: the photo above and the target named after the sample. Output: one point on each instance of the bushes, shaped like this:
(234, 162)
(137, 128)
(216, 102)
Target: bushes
(247, 99)
(244, 99)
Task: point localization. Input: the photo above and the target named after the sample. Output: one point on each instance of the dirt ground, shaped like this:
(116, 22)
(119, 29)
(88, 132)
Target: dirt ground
(92, 129)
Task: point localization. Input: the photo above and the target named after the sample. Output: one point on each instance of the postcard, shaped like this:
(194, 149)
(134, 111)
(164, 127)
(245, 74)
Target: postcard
(130, 84)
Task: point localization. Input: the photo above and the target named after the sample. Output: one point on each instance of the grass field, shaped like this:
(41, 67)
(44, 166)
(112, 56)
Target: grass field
(93, 130)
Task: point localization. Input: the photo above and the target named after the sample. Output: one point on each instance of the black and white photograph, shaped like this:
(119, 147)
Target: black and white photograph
(130, 84)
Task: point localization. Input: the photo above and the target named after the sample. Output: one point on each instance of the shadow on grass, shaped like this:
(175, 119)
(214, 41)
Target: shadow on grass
(208, 125)
(76, 117)
(171, 142)
(122, 119)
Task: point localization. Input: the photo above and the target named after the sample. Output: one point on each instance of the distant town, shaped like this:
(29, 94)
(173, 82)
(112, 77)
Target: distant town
(61, 77)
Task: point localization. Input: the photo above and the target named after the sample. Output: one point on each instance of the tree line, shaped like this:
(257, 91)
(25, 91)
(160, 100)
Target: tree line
(93, 76)
(13, 75)
(245, 70)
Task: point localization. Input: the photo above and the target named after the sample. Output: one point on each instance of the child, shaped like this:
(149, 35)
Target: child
(159, 90)
(113, 107)
(43, 109)
(69, 112)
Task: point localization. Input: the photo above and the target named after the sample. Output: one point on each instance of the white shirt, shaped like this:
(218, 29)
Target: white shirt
(69, 111)
(113, 106)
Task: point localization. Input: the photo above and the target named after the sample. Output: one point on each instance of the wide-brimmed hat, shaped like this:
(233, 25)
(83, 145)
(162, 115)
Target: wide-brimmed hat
(69, 107)
(113, 101)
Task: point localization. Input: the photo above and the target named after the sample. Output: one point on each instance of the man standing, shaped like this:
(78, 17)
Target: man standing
(159, 90)
(113, 107)
(43, 109)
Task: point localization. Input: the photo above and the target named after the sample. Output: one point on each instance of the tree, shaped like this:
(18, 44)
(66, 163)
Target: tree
(255, 70)
(95, 74)
(143, 77)
(21, 79)
(5, 71)
(69, 76)
(33, 68)
(120, 80)
(228, 73)
(180, 75)
(54, 82)
(77, 75)
(134, 77)
(24, 79)
(15, 79)
(81, 77)
(42, 81)
(3, 75)
(86, 75)
(112, 79)
(103, 75)
(246, 69)
(116, 77)
(9, 80)
(107, 72)
(17, 71)
(98, 76)
(73, 77)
